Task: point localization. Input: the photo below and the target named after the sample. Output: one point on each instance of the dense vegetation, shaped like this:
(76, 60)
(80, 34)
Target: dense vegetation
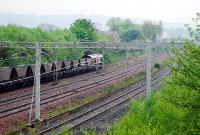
(84, 30)
(128, 31)
(130, 35)
(13, 33)
(176, 108)
(22, 34)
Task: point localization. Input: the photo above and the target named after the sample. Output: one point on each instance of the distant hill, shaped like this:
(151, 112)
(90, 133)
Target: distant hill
(61, 21)
(64, 21)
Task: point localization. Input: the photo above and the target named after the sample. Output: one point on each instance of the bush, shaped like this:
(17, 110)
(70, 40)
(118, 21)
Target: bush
(176, 108)
(157, 65)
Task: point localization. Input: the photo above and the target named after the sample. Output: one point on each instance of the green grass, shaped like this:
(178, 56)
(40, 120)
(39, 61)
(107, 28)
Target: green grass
(19, 126)
(135, 122)
(65, 131)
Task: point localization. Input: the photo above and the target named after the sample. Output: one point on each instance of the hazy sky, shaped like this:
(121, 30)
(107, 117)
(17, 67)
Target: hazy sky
(166, 10)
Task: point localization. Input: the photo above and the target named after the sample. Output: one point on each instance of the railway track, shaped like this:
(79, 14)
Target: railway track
(106, 70)
(14, 106)
(18, 97)
(86, 115)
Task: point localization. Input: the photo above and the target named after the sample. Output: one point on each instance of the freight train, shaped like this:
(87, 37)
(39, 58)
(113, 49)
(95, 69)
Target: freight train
(13, 78)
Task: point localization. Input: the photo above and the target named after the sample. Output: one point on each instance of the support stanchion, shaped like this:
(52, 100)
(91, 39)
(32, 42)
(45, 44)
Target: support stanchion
(37, 83)
(103, 53)
(148, 76)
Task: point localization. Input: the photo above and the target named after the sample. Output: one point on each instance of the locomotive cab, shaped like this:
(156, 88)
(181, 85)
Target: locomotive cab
(93, 58)
(95, 61)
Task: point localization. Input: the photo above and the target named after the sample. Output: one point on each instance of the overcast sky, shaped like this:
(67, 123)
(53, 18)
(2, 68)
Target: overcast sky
(166, 10)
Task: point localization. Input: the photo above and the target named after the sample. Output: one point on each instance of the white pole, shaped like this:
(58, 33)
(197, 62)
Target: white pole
(148, 75)
(37, 83)
(103, 58)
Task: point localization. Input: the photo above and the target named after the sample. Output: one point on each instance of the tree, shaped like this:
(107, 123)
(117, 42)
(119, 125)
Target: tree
(120, 28)
(114, 24)
(160, 31)
(127, 24)
(130, 35)
(84, 30)
(181, 93)
(150, 30)
(195, 32)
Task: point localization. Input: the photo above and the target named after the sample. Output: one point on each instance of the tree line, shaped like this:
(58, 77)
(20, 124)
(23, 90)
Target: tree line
(82, 30)
(129, 31)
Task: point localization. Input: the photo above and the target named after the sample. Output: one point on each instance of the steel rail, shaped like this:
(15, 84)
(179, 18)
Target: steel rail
(112, 69)
(78, 117)
(3, 102)
(46, 91)
(23, 107)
